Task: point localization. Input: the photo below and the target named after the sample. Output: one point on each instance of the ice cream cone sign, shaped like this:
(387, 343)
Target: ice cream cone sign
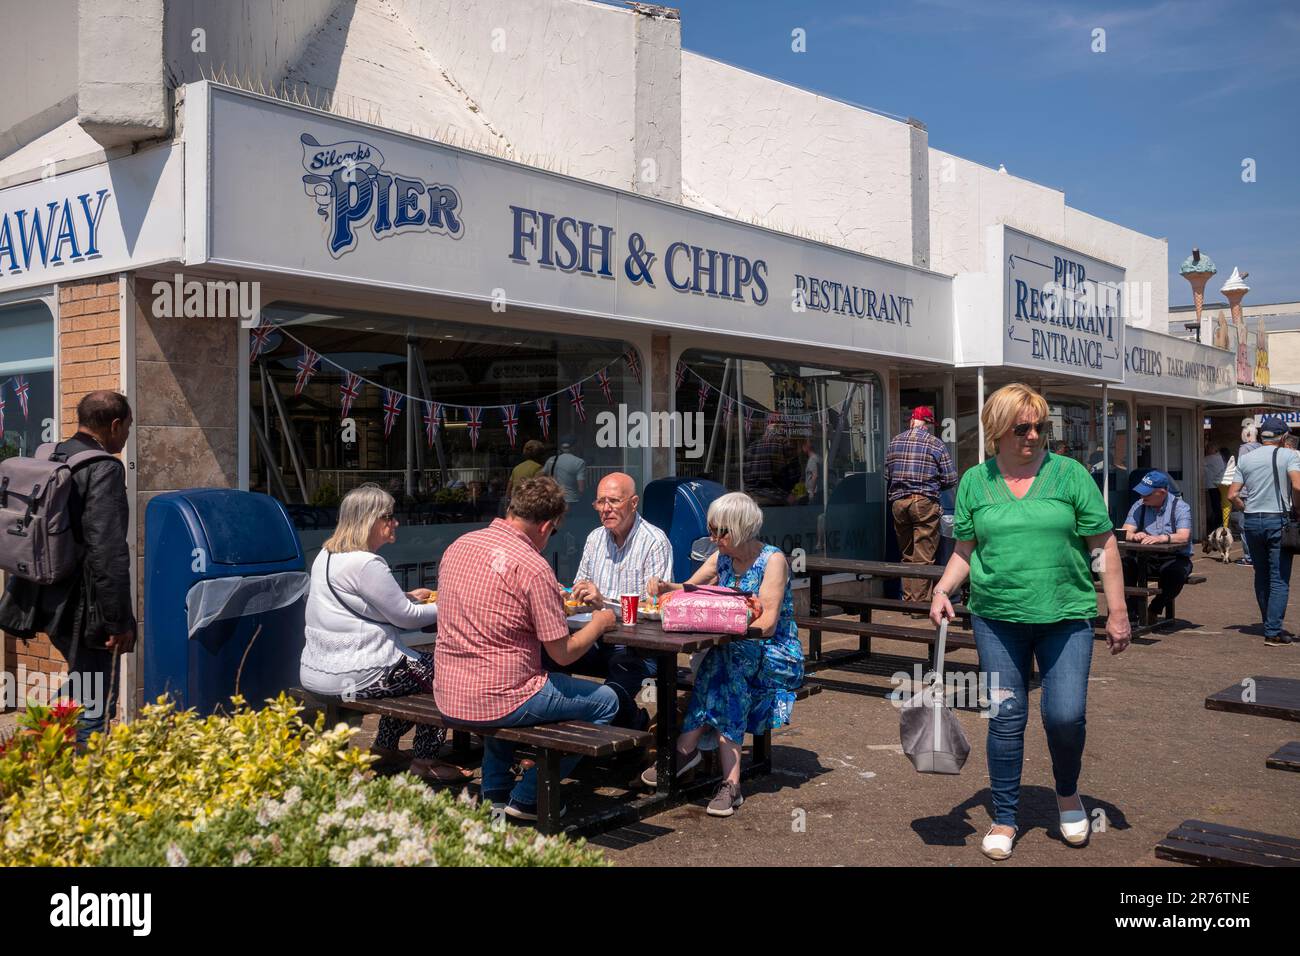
(1261, 356)
(1234, 290)
(1197, 269)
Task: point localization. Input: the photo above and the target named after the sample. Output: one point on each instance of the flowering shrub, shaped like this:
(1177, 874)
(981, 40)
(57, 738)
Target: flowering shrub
(42, 744)
(60, 808)
(325, 819)
(253, 788)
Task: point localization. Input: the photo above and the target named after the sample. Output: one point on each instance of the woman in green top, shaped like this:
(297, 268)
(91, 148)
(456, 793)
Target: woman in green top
(1028, 525)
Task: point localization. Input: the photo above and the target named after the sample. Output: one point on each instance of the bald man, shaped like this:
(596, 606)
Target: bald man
(620, 557)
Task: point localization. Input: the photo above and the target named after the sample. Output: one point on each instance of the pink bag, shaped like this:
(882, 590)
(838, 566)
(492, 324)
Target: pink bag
(707, 608)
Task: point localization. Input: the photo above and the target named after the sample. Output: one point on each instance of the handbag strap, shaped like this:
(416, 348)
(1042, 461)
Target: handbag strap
(939, 648)
(1277, 490)
(338, 597)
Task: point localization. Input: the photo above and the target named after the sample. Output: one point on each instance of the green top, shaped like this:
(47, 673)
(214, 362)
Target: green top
(1030, 562)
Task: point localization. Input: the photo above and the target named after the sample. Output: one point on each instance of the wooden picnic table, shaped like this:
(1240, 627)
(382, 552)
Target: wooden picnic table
(818, 567)
(1265, 697)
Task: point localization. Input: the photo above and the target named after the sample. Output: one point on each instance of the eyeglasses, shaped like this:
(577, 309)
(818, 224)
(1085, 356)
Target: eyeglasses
(718, 533)
(1021, 430)
(607, 503)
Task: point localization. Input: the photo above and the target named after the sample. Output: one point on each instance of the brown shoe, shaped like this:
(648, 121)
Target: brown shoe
(390, 759)
(435, 771)
(726, 800)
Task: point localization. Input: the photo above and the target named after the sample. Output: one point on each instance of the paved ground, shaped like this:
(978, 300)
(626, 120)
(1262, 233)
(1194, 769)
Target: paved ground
(1155, 757)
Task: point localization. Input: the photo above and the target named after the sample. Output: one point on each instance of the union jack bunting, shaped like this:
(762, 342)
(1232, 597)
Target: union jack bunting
(2, 410)
(704, 394)
(681, 372)
(602, 379)
(633, 363)
(728, 403)
(307, 365)
(349, 391)
(475, 423)
(258, 341)
(575, 396)
(392, 409)
(21, 386)
(432, 414)
(510, 418)
(544, 415)
(749, 419)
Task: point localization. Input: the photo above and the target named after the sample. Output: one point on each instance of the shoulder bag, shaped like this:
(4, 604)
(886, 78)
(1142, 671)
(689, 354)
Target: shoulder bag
(1290, 529)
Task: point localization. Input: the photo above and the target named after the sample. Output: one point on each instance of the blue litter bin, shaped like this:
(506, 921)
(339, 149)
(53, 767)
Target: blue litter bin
(219, 565)
(679, 507)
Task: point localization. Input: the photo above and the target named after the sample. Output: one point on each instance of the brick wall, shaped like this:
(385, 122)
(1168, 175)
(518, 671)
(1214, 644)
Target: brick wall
(89, 358)
(90, 350)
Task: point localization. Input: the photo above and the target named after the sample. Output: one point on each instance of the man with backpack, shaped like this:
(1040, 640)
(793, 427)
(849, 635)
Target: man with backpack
(76, 588)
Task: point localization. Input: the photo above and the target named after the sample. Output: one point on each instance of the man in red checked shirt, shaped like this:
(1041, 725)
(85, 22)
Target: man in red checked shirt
(917, 468)
(499, 608)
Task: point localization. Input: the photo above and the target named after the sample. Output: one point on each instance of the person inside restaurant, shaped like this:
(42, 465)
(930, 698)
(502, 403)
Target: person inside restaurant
(1159, 517)
(620, 557)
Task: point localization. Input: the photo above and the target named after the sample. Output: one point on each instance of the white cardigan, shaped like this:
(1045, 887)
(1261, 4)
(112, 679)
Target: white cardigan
(344, 652)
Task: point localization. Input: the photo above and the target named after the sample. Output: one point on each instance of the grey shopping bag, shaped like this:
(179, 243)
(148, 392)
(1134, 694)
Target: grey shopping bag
(931, 736)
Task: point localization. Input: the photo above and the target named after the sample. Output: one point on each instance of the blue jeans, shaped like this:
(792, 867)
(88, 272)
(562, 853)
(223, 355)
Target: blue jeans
(92, 681)
(1064, 654)
(561, 698)
(1272, 568)
(620, 668)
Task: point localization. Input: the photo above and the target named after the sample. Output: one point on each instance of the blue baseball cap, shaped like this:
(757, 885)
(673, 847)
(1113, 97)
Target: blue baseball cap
(1271, 429)
(1152, 481)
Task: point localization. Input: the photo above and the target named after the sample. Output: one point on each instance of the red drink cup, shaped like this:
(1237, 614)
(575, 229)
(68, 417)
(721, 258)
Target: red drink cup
(628, 603)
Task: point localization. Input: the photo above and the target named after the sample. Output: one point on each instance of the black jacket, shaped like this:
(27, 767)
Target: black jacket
(95, 601)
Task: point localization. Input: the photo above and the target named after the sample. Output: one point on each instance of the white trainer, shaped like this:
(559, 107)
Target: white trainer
(996, 846)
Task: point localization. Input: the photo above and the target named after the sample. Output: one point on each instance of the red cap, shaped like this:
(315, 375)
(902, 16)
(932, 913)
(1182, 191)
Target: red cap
(923, 413)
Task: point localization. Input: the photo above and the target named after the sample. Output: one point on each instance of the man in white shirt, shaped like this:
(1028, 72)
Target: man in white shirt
(619, 558)
(1212, 469)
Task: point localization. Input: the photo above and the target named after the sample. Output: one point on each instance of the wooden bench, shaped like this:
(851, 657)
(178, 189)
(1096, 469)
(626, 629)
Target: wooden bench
(1151, 591)
(864, 606)
(1198, 843)
(548, 741)
(762, 753)
(1286, 757)
(866, 630)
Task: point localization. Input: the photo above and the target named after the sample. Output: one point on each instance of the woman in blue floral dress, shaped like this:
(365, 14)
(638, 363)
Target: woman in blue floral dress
(745, 686)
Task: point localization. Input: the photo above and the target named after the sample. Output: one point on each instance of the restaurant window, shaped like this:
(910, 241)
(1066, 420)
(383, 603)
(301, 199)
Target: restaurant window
(805, 441)
(440, 415)
(1079, 430)
(26, 378)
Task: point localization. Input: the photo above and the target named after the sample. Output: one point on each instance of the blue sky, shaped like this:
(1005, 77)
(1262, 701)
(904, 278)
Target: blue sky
(1150, 134)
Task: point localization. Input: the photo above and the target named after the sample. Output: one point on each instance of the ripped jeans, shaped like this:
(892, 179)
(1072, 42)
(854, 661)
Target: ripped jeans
(1064, 654)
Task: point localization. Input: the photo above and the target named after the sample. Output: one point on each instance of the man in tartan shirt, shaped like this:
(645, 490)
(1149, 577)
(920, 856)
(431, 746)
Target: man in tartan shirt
(917, 468)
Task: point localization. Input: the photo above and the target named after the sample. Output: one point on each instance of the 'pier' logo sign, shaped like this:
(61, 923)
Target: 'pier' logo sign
(351, 188)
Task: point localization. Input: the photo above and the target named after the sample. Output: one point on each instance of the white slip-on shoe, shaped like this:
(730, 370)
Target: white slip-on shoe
(1075, 825)
(996, 846)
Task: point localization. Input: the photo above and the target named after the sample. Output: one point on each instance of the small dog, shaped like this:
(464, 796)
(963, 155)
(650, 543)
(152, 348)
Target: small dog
(1220, 542)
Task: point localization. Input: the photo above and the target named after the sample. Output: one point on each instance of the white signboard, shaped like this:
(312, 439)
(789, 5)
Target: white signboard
(1062, 311)
(117, 215)
(1165, 365)
(293, 190)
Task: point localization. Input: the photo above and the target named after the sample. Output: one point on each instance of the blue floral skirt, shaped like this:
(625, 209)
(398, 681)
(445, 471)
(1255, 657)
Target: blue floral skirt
(745, 687)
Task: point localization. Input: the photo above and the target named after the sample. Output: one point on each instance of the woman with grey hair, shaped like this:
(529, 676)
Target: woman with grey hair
(355, 614)
(744, 686)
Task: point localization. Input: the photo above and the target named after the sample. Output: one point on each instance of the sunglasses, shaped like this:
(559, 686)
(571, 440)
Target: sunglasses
(388, 517)
(1021, 430)
(718, 533)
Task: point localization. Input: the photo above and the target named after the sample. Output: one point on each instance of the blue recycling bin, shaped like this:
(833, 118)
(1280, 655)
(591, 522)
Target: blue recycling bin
(221, 564)
(679, 507)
